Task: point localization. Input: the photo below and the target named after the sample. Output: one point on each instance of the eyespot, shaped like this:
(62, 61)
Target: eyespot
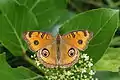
(36, 42)
(80, 41)
(45, 52)
(71, 52)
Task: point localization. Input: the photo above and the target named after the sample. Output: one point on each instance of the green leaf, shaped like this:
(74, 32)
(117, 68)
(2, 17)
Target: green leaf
(26, 74)
(102, 22)
(107, 75)
(110, 60)
(6, 72)
(42, 5)
(47, 12)
(14, 20)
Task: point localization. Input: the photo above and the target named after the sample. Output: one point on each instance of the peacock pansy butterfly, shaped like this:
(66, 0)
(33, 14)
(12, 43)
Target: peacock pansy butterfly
(60, 51)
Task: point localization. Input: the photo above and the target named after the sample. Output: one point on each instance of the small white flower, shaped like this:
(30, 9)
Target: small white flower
(35, 58)
(85, 64)
(54, 77)
(92, 79)
(85, 76)
(62, 76)
(85, 56)
(72, 77)
(91, 72)
(68, 73)
(95, 79)
(80, 62)
(77, 76)
(90, 64)
(81, 75)
(83, 70)
(47, 70)
(91, 59)
(37, 63)
(32, 56)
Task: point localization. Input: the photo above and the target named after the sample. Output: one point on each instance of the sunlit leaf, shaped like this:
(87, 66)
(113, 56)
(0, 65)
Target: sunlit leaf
(102, 22)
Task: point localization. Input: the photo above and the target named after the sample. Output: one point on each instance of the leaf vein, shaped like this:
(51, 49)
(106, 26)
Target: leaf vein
(104, 25)
(17, 36)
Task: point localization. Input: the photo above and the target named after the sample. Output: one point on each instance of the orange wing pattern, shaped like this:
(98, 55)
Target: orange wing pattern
(48, 55)
(78, 39)
(69, 55)
(37, 40)
(61, 51)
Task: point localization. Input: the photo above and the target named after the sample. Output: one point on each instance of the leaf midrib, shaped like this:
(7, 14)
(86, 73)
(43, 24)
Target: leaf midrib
(104, 24)
(14, 31)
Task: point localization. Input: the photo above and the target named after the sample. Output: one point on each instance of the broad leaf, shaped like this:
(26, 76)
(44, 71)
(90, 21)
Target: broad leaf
(110, 61)
(14, 20)
(107, 75)
(102, 22)
(42, 5)
(47, 12)
(6, 72)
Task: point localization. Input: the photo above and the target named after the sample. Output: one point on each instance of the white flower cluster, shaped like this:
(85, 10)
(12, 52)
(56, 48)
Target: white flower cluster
(83, 70)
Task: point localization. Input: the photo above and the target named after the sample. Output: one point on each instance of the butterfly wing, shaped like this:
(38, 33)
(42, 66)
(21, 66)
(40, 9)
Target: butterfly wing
(78, 39)
(48, 55)
(70, 44)
(45, 45)
(68, 55)
(37, 40)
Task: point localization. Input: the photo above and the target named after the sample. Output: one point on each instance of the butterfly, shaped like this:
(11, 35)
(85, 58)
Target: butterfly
(60, 51)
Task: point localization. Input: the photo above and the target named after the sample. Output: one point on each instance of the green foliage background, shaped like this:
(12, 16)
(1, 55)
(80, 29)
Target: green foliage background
(56, 16)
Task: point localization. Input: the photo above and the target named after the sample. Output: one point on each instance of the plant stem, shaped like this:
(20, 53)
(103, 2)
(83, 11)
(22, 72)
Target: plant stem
(33, 63)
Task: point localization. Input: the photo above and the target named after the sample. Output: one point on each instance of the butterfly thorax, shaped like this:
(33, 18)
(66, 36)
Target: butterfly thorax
(58, 39)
